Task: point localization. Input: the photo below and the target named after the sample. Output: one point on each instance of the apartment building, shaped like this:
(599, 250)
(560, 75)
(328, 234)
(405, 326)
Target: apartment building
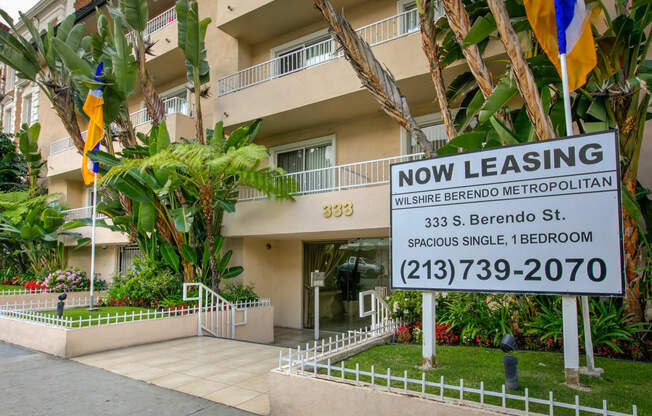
(275, 60)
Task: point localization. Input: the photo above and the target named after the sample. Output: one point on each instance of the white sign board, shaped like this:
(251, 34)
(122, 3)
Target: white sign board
(540, 217)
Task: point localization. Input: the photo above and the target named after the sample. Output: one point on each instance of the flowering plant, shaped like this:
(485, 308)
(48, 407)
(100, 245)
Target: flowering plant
(67, 280)
(403, 335)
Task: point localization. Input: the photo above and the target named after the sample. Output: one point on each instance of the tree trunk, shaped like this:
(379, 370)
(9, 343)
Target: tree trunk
(206, 197)
(431, 49)
(374, 77)
(459, 22)
(632, 277)
(199, 122)
(524, 78)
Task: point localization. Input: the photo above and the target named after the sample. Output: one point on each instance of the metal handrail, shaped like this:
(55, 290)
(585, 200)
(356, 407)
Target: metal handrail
(334, 178)
(81, 213)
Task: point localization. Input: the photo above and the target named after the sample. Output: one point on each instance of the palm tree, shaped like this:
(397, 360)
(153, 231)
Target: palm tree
(201, 183)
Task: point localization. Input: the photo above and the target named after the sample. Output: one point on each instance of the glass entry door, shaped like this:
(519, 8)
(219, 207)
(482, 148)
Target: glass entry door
(350, 267)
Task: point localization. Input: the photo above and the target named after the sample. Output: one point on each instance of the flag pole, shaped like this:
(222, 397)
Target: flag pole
(586, 319)
(91, 306)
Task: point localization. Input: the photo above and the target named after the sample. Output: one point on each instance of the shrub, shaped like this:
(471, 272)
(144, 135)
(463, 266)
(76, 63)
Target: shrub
(239, 292)
(403, 335)
(406, 306)
(70, 279)
(150, 285)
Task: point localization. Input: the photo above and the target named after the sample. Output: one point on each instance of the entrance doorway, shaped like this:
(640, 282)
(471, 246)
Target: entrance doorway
(351, 267)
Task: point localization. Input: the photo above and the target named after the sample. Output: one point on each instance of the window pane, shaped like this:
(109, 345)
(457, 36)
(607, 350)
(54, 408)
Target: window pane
(434, 133)
(290, 61)
(290, 161)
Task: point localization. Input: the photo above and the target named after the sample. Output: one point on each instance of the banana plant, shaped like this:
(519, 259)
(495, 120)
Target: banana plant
(193, 185)
(191, 35)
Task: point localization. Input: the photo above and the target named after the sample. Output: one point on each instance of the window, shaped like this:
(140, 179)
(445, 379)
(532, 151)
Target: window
(409, 20)
(6, 120)
(26, 116)
(304, 52)
(10, 79)
(313, 156)
(433, 127)
(176, 101)
(89, 197)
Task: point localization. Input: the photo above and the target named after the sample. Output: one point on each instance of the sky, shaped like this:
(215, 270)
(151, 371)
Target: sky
(13, 6)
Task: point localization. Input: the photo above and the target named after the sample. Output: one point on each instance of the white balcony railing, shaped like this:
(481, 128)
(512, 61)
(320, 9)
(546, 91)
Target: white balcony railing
(157, 23)
(62, 145)
(376, 33)
(334, 178)
(82, 213)
(174, 105)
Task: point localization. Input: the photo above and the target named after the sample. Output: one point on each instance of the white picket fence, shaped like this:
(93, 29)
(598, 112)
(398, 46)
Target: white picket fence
(22, 291)
(314, 366)
(47, 304)
(33, 311)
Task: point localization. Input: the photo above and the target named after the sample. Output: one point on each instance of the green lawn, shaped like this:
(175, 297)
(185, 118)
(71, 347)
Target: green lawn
(624, 382)
(110, 311)
(10, 287)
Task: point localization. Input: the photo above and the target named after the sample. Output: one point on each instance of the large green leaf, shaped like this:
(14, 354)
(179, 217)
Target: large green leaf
(506, 135)
(482, 28)
(232, 272)
(189, 254)
(469, 141)
(170, 255)
(136, 13)
(182, 218)
(146, 217)
(73, 62)
(124, 66)
(504, 91)
(133, 190)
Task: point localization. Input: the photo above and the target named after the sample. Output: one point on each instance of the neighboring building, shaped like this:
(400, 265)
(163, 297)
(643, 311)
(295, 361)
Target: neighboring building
(275, 60)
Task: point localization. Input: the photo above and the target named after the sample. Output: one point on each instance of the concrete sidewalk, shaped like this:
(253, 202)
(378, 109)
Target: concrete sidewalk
(38, 384)
(234, 373)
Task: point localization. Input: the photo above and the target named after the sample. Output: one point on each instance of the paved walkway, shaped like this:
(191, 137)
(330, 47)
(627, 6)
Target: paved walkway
(230, 372)
(36, 384)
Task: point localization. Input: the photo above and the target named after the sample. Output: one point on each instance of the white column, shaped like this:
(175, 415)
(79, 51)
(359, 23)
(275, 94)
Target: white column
(571, 345)
(428, 320)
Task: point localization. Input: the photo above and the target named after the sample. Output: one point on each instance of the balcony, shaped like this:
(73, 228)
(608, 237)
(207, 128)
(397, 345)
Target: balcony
(312, 86)
(82, 213)
(270, 18)
(103, 235)
(362, 184)
(64, 158)
(162, 32)
(374, 34)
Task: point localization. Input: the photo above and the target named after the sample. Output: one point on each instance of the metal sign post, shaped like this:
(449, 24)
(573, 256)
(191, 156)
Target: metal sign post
(317, 279)
(428, 320)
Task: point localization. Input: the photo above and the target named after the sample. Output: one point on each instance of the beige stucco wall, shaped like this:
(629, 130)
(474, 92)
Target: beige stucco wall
(71, 192)
(88, 340)
(276, 273)
(295, 395)
(51, 340)
(358, 15)
(106, 259)
(259, 326)
(352, 138)
(304, 218)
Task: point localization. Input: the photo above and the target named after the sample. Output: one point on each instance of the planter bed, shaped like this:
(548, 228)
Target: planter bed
(624, 382)
(79, 333)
